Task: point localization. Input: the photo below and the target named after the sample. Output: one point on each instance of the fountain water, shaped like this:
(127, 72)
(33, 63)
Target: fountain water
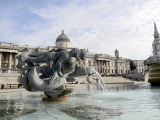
(100, 82)
(83, 104)
(84, 67)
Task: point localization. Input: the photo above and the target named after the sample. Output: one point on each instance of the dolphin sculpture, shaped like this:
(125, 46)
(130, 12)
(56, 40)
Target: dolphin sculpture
(32, 81)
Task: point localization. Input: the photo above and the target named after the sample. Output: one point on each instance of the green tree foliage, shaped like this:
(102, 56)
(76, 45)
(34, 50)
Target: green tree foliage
(132, 65)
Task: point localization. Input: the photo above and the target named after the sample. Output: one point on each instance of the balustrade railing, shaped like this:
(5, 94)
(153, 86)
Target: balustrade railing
(5, 70)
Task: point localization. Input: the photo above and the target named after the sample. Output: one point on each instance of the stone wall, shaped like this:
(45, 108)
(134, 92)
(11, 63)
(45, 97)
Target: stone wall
(9, 80)
(134, 76)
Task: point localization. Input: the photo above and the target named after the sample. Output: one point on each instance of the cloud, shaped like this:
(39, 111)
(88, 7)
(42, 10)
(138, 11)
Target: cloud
(100, 26)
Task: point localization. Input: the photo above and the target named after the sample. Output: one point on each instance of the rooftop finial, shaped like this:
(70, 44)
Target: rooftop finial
(62, 31)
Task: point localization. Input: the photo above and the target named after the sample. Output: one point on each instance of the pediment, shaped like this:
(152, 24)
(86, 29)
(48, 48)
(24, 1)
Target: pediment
(151, 60)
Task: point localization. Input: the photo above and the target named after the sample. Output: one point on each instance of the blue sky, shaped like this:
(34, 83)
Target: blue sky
(98, 25)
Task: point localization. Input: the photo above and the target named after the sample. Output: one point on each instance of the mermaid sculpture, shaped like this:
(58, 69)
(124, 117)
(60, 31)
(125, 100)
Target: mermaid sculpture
(52, 81)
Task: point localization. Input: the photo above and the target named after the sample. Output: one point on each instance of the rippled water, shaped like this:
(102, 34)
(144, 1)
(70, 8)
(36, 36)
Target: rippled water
(141, 103)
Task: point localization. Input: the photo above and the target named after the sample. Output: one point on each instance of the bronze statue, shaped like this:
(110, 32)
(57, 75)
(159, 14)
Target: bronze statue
(52, 80)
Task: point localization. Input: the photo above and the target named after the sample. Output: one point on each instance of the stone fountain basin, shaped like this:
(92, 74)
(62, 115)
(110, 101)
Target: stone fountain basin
(85, 102)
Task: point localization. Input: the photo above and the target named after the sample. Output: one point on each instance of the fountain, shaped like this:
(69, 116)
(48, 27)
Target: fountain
(52, 81)
(99, 80)
(82, 103)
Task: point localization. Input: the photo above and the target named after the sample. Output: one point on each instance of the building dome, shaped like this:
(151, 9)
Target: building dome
(63, 38)
(63, 41)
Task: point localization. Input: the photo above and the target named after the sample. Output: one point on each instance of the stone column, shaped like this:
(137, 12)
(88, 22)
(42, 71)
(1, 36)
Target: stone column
(106, 68)
(0, 59)
(102, 66)
(15, 61)
(10, 60)
(123, 68)
(98, 66)
(116, 70)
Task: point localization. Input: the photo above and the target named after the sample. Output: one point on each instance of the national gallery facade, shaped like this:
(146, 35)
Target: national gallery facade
(103, 63)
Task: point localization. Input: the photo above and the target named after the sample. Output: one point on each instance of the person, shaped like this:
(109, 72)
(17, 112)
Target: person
(58, 56)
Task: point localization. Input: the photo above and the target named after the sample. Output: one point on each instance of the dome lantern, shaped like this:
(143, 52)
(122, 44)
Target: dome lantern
(63, 41)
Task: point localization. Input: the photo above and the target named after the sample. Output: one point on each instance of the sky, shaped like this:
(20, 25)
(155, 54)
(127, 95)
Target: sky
(101, 26)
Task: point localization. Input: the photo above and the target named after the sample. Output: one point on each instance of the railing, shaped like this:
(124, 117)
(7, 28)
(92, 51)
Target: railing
(5, 70)
(102, 57)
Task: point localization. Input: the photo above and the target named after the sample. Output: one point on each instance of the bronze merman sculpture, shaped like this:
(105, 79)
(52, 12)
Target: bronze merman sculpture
(42, 78)
(52, 81)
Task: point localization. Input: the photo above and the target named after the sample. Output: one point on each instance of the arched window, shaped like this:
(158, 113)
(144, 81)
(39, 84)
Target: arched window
(155, 48)
(156, 36)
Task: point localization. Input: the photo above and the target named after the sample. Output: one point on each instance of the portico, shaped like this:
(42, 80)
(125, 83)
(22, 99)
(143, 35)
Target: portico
(102, 64)
(8, 59)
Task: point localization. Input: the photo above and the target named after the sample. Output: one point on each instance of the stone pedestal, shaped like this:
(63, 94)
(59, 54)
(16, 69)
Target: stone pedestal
(146, 77)
(154, 75)
(61, 98)
(58, 99)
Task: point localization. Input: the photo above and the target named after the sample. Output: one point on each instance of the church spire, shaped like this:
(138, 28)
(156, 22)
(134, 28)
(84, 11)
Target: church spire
(155, 28)
(156, 34)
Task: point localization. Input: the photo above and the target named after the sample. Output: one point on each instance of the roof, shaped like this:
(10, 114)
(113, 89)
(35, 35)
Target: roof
(62, 38)
(151, 60)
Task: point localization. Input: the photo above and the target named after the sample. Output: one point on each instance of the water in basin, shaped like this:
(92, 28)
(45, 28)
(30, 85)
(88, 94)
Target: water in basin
(140, 103)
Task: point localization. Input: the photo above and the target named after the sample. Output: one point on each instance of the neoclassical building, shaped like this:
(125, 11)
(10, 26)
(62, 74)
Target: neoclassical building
(105, 64)
(140, 68)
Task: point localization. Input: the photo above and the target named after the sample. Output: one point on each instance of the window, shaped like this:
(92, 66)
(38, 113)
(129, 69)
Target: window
(156, 36)
(155, 53)
(155, 48)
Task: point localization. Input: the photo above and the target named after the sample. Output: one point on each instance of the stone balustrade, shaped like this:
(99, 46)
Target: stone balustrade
(3, 70)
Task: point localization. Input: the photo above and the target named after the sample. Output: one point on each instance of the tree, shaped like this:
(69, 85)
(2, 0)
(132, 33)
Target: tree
(132, 65)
